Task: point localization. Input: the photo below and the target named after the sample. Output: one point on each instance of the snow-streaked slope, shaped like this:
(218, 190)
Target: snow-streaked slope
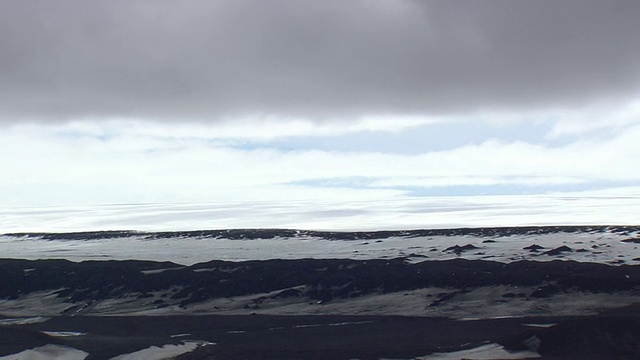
(603, 245)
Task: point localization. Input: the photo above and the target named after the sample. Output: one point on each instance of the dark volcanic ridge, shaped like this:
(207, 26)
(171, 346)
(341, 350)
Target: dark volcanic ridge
(246, 234)
(81, 285)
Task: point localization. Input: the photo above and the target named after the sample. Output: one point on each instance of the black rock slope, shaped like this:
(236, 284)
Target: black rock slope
(322, 280)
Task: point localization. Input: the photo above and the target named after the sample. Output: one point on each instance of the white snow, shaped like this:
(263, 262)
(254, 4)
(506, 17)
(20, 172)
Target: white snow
(23, 321)
(619, 206)
(48, 352)
(602, 247)
(484, 352)
(64, 333)
(158, 271)
(164, 352)
(56, 352)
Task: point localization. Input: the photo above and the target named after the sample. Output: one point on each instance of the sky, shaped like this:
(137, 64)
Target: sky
(317, 105)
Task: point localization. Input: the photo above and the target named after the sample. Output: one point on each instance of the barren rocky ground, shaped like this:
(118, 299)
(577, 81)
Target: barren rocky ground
(403, 307)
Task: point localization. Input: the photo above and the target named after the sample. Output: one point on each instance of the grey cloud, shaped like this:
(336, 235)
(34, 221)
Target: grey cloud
(322, 59)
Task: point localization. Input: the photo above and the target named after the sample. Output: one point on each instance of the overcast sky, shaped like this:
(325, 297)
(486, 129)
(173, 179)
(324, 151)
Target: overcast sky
(185, 102)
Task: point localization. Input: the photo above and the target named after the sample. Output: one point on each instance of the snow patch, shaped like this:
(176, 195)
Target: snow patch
(64, 333)
(165, 352)
(48, 352)
(158, 271)
(484, 352)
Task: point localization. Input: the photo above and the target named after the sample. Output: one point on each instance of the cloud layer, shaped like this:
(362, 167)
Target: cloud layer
(317, 60)
(321, 108)
(69, 167)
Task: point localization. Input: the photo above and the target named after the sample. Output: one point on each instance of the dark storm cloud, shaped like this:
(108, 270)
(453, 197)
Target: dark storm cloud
(318, 59)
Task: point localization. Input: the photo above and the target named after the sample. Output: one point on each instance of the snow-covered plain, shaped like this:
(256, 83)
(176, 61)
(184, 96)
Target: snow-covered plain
(615, 206)
(587, 246)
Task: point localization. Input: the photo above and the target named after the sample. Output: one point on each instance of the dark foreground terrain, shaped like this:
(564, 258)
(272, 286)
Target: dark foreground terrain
(606, 336)
(81, 287)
